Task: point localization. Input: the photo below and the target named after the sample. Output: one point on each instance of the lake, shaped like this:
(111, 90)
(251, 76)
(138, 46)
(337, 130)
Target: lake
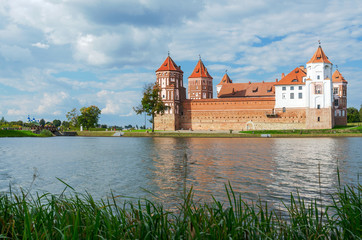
(271, 168)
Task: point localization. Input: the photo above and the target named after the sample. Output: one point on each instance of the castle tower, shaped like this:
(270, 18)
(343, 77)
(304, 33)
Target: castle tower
(319, 91)
(200, 83)
(339, 98)
(225, 80)
(169, 77)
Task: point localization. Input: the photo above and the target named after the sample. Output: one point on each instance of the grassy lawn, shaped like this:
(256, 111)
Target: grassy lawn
(95, 133)
(17, 133)
(140, 130)
(336, 130)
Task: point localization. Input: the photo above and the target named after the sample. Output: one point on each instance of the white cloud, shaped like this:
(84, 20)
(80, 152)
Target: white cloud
(40, 45)
(14, 112)
(121, 43)
(50, 102)
(117, 103)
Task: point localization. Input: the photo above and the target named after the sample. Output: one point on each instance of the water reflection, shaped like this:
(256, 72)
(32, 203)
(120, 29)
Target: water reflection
(269, 168)
(266, 168)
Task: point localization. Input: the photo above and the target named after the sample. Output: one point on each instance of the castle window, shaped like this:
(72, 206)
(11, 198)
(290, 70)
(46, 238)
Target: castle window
(255, 89)
(344, 92)
(335, 90)
(284, 109)
(284, 88)
(318, 77)
(300, 95)
(197, 87)
(318, 89)
(318, 106)
(291, 95)
(291, 88)
(294, 80)
(319, 119)
(300, 88)
(342, 113)
(336, 102)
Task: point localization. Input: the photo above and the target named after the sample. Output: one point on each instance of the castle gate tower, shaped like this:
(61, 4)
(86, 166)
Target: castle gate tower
(200, 83)
(169, 77)
(319, 92)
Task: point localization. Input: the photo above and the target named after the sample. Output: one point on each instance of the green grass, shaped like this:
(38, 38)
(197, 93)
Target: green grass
(95, 133)
(140, 130)
(17, 133)
(78, 216)
(335, 130)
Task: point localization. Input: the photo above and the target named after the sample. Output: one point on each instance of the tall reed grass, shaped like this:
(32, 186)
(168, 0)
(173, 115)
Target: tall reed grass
(79, 216)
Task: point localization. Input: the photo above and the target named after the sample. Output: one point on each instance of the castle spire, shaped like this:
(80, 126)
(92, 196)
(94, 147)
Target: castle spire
(200, 70)
(225, 79)
(169, 65)
(319, 56)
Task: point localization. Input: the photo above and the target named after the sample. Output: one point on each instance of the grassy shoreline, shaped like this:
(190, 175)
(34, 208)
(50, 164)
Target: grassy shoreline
(237, 135)
(47, 216)
(357, 132)
(18, 133)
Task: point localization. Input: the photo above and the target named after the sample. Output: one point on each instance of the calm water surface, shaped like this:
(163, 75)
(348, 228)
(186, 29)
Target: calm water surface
(269, 168)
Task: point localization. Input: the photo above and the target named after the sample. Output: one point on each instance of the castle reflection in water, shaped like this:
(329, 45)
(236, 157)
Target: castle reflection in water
(267, 168)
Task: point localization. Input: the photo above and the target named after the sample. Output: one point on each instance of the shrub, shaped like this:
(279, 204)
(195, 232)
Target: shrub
(46, 133)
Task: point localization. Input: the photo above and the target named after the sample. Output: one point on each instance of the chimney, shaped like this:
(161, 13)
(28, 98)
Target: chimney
(283, 75)
(249, 82)
(233, 91)
(276, 80)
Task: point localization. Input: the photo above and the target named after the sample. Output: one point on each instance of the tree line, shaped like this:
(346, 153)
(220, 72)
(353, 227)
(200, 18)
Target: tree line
(353, 115)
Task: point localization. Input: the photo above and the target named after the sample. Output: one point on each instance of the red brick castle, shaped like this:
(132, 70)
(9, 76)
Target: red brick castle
(309, 97)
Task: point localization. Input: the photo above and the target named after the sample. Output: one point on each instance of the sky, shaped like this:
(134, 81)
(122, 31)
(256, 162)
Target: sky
(56, 55)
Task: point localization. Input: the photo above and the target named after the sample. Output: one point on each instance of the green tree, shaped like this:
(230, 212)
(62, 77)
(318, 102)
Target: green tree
(3, 121)
(89, 116)
(42, 122)
(151, 103)
(360, 113)
(57, 122)
(352, 115)
(65, 124)
(72, 117)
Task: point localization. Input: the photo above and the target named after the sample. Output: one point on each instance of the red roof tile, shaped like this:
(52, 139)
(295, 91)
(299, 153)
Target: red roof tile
(169, 65)
(200, 71)
(225, 79)
(337, 77)
(264, 89)
(319, 57)
(295, 77)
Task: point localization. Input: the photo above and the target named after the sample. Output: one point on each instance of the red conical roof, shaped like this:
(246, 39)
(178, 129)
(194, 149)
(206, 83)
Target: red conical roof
(337, 77)
(319, 57)
(200, 71)
(169, 65)
(295, 77)
(225, 79)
